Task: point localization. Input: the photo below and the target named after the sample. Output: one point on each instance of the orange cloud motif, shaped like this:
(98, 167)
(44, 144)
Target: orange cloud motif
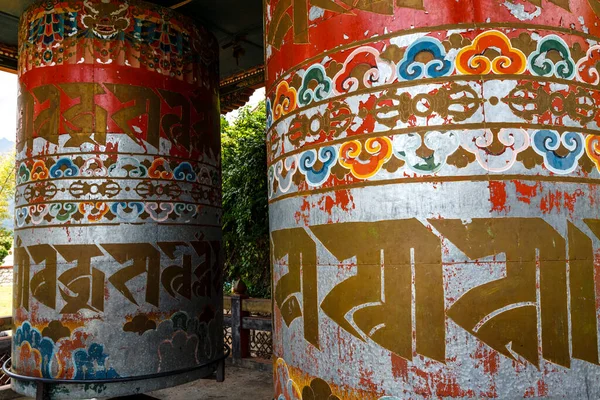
(285, 100)
(156, 172)
(365, 164)
(592, 148)
(30, 361)
(39, 171)
(472, 59)
(94, 211)
(587, 69)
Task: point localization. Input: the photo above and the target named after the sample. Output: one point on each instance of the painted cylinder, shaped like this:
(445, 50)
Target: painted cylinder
(433, 171)
(118, 204)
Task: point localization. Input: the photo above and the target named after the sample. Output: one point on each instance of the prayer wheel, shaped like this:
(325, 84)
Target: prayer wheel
(433, 172)
(118, 202)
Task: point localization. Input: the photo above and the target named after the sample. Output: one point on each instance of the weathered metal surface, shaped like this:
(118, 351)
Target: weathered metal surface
(433, 171)
(117, 260)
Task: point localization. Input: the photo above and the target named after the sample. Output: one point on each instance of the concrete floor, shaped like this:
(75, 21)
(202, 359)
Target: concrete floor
(240, 384)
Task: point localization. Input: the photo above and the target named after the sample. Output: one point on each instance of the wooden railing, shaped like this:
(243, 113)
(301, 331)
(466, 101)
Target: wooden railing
(246, 315)
(6, 323)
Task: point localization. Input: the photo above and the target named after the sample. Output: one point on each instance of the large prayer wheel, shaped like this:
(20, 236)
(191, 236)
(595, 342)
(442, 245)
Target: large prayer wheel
(433, 172)
(118, 204)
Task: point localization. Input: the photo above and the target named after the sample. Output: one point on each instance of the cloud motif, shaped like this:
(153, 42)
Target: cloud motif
(29, 360)
(127, 167)
(37, 212)
(442, 144)
(327, 156)
(380, 71)
(63, 211)
(21, 215)
(180, 321)
(542, 65)
(159, 212)
(94, 211)
(546, 142)
(290, 166)
(141, 355)
(93, 364)
(269, 113)
(479, 143)
(127, 211)
(185, 172)
(64, 167)
(160, 169)
(315, 73)
(139, 324)
(318, 390)
(178, 352)
(39, 171)
(378, 150)
(186, 211)
(592, 148)
(94, 167)
(410, 69)
(285, 100)
(23, 174)
(586, 68)
(471, 59)
(45, 346)
(56, 331)
(284, 385)
(271, 176)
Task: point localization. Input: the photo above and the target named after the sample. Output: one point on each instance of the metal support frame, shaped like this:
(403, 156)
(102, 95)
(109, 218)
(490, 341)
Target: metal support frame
(43, 385)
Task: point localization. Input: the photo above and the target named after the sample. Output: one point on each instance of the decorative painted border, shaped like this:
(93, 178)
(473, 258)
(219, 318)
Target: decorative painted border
(385, 159)
(459, 55)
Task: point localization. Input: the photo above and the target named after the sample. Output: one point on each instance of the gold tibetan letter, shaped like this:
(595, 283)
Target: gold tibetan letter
(301, 277)
(389, 255)
(504, 313)
(145, 259)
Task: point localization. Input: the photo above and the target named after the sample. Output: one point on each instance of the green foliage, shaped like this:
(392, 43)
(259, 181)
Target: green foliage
(7, 183)
(6, 242)
(245, 202)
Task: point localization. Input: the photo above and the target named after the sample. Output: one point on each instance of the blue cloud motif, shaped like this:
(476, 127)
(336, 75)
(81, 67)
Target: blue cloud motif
(92, 364)
(120, 210)
(269, 113)
(57, 171)
(184, 172)
(546, 142)
(308, 159)
(26, 333)
(21, 215)
(410, 69)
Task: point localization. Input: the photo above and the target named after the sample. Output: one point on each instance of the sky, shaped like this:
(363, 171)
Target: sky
(8, 105)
